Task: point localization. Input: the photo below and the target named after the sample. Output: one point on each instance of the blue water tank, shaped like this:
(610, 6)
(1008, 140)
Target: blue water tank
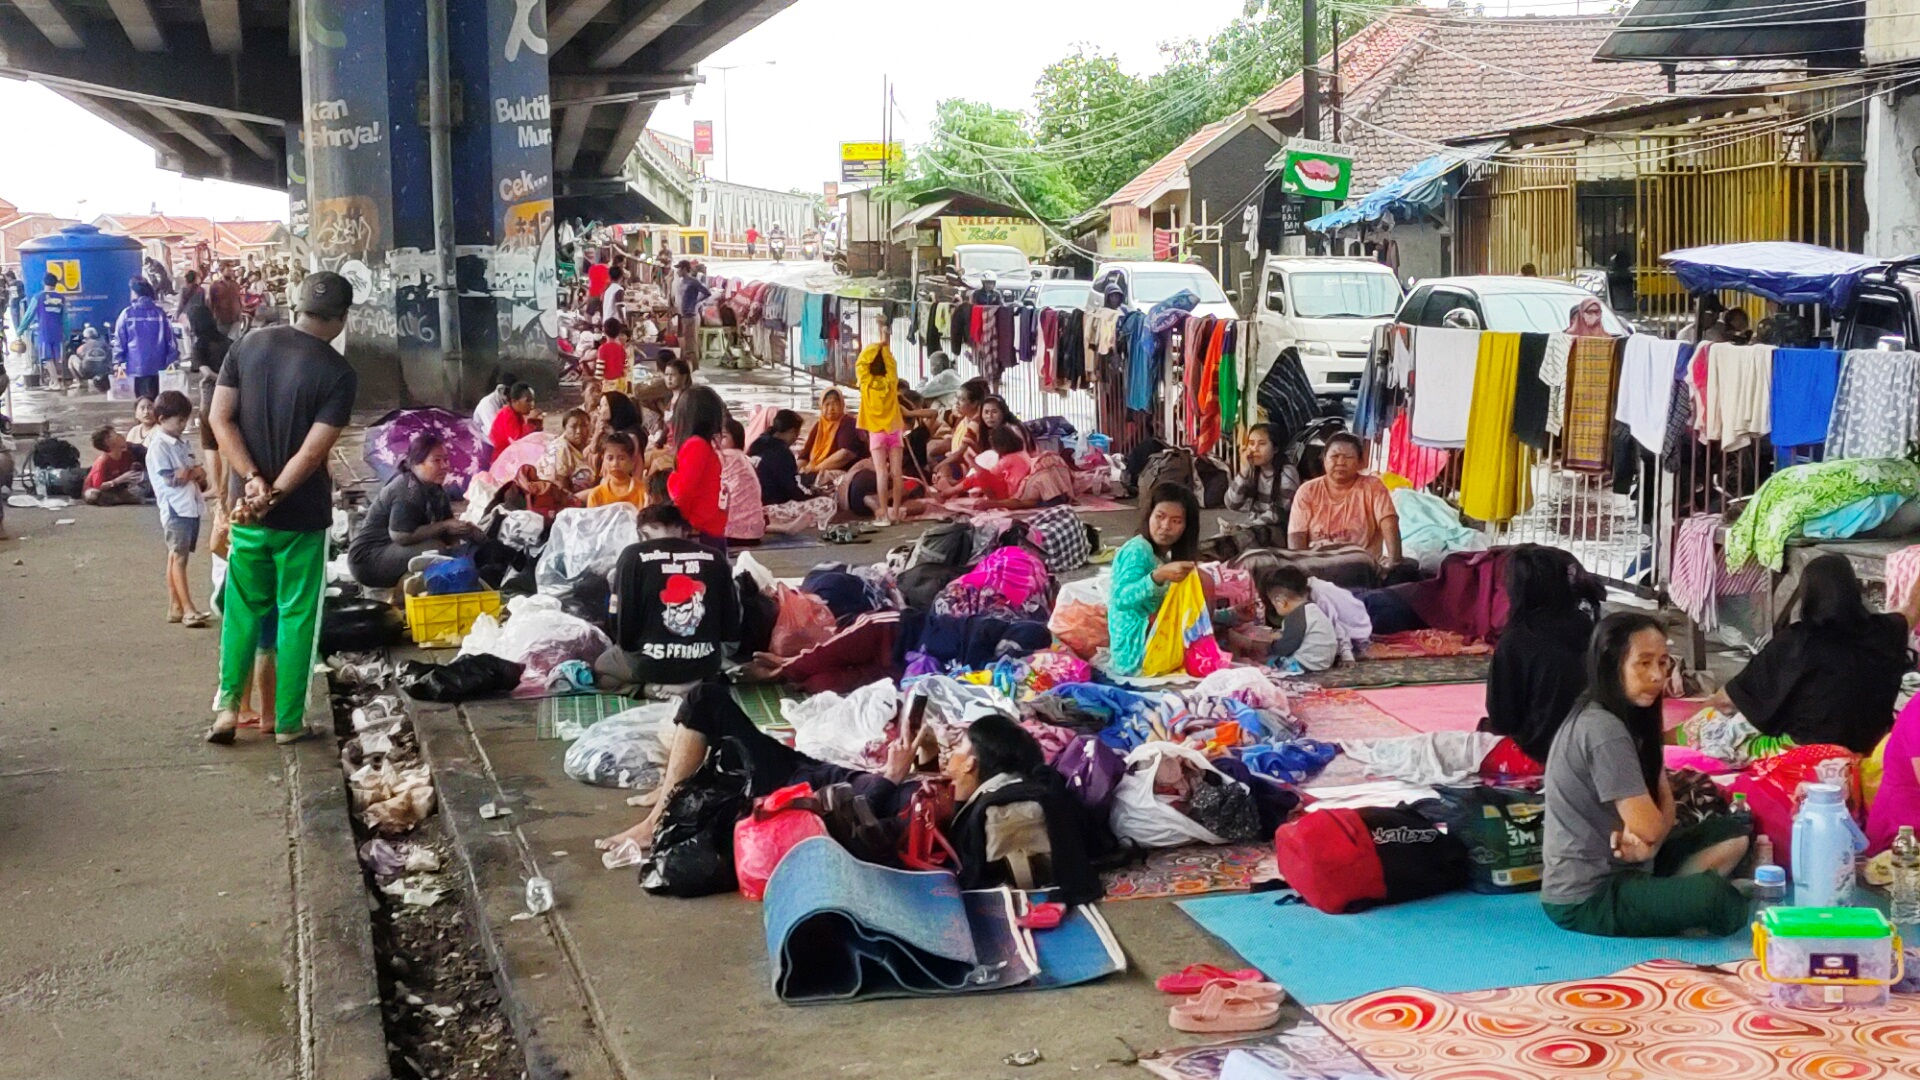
(93, 268)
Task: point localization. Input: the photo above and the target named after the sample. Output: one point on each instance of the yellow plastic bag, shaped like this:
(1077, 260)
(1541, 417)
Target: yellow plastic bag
(1182, 636)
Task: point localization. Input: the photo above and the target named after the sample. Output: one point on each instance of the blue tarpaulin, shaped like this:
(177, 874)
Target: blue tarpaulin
(1784, 272)
(1407, 196)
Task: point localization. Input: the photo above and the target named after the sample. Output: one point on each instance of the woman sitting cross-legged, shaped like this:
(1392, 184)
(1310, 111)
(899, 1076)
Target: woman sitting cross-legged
(1162, 551)
(996, 769)
(1615, 865)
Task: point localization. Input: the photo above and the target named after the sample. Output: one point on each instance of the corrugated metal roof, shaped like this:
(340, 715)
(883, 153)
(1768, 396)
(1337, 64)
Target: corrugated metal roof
(1673, 31)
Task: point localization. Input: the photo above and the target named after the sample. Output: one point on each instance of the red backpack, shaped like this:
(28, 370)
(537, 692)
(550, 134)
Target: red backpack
(1343, 861)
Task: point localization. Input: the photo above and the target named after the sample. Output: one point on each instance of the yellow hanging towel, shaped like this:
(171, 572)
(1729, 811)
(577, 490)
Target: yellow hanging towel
(1494, 483)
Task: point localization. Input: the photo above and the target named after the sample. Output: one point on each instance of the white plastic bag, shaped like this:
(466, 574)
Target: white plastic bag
(762, 577)
(1249, 685)
(586, 541)
(538, 634)
(480, 492)
(522, 529)
(850, 731)
(626, 750)
(1140, 816)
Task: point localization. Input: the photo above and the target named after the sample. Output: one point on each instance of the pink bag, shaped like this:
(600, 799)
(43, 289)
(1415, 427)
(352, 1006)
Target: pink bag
(804, 621)
(763, 838)
(1080, 626)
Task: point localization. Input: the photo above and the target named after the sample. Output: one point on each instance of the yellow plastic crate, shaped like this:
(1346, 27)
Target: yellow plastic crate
(445, 620)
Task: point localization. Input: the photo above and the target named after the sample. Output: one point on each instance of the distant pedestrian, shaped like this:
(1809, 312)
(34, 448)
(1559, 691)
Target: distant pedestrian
(45, 325)
(688, 293)
(753, 239)
(178, 478)
(223, 297)
(143, 340)
(616, 293)
(284, 396)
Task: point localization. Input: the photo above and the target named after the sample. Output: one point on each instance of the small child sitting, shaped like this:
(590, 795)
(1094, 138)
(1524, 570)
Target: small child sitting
(999, 478)
(118, 476)
(1307, 641)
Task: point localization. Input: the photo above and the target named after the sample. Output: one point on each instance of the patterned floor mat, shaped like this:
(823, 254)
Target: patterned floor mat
(1193, 871)
(1411, 671)
(1661, 1019)
(1335, 713)
(761, 703)
(565, 717)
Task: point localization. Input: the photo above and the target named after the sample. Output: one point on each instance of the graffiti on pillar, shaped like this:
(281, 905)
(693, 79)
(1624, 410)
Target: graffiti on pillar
(523, 273)
(520, 30)
(345, 226)
(416, 274)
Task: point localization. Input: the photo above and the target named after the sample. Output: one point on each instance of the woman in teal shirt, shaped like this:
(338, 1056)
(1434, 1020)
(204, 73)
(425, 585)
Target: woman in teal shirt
(1161, 553)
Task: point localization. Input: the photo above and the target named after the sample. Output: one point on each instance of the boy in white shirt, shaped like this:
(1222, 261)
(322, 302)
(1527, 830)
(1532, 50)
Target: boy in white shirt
(177, 480)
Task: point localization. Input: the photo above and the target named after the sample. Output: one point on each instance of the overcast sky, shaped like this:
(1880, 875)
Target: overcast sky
(787, 119)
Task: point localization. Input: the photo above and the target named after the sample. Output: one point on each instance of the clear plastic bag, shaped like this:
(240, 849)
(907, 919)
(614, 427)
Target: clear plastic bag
(539, 635)
(626, 750)
(583, 542)
(850, 731)
(523, 529)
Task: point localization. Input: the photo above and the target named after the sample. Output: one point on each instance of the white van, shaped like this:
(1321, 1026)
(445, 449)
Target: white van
(1145, 284)
(1323, 310)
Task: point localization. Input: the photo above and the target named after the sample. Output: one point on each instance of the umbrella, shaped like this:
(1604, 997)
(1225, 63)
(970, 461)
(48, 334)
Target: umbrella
(389, 437)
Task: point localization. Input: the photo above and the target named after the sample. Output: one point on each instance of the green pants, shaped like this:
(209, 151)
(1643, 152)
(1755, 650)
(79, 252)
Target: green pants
(1634, 903)
(272, 570)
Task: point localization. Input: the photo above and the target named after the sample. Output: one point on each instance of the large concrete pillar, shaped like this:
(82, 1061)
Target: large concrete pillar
(370, 201)
(1893, 174)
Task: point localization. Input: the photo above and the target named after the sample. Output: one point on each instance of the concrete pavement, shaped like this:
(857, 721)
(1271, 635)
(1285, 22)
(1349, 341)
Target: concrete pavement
(174, 909)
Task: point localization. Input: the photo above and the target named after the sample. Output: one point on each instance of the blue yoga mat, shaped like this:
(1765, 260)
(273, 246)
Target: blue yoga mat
(1459, 941)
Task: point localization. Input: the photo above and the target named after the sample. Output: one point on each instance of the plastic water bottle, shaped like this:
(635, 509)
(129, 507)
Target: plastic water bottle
(1905, 910)
(539, 895)
(1769, 888)
(1826, 845)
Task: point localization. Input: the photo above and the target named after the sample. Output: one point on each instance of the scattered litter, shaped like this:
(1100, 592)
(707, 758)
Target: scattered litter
(415, 999)
(559, 854)
(489, 811)
(386, 859)
(539, 895)
(625, 853)
(442, 1012)
(1024, 1058)
(644, 799)
(522, 916)
(417, 891)
(63, 521)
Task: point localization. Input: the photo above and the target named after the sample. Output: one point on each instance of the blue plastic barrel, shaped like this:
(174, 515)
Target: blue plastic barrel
(93, 268)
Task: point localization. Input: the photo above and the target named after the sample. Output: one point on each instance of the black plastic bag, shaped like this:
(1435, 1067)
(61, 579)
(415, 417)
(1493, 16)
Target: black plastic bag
(360, 626)
(693, 846)
(469, 677)
(54, 453)
(1225, 808)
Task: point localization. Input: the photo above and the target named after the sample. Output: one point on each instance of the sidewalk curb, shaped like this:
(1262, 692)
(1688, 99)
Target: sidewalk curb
(343, 1036)
(541, 991)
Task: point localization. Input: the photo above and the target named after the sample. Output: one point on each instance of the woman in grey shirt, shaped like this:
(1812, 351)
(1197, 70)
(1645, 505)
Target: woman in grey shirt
(1615, 864)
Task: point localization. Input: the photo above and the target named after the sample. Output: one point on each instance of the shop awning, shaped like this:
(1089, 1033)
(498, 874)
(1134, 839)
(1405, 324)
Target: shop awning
(1407, 196)
(1779, 270)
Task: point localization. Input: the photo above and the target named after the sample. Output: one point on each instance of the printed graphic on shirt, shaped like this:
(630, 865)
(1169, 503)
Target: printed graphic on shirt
(685, 601)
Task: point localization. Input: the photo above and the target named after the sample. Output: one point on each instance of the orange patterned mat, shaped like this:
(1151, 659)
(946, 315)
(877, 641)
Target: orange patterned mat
(1653, 1021)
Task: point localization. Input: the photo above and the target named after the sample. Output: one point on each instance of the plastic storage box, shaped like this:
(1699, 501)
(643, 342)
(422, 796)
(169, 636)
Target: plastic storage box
(445, 620)
(1827, 956)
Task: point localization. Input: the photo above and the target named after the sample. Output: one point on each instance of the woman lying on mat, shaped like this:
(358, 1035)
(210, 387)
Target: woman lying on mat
(1162, 551)
(1539, 667)
(1615, 865)
(1832, 669)
(1006, 798)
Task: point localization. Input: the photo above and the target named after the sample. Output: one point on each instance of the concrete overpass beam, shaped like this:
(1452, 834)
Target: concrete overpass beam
(223, 25)
(568, 18)
(724, 21)
(136, 18)
(49, 19)
(573, 130)
(632, 126)
(642, 30)
(240, 131)
(187, 130)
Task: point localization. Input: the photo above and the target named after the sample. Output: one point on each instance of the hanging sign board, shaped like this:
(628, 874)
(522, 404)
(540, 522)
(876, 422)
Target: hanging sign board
(1321, 170)
(871, 161)
(703, 138)
(1023, 233)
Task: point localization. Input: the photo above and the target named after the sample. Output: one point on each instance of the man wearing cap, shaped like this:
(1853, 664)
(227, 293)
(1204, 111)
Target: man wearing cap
(283, 396)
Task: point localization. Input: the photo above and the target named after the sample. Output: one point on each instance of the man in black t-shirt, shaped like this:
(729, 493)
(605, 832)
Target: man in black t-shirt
(687, 611)
(284, 395)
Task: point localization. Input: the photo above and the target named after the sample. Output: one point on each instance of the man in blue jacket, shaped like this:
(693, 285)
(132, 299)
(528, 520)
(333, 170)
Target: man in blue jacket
(143, 340)
(46, 325)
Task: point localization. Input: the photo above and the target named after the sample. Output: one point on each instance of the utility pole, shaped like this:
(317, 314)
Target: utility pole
(1309, 70)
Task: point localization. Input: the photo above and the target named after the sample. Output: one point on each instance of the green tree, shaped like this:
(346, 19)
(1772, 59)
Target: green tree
(1083, 104)
(988, 150)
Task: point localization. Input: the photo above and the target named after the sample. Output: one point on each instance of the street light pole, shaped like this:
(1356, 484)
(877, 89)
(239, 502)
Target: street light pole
(726, 125)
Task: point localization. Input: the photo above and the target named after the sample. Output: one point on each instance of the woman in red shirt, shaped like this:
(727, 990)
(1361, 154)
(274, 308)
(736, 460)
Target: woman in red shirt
(517, 421)
(695, 484)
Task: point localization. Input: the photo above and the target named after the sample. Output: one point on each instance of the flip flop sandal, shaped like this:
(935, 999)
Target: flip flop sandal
(1194, 978)
(220, 736)
(1221, 1011)
(841, 534)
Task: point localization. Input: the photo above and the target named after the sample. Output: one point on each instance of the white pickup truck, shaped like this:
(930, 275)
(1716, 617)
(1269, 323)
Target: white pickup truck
(1323, 310)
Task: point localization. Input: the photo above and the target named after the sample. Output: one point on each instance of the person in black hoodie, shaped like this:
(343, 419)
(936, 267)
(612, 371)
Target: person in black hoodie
(789, 505)
(1016, 823)
(1538, 665)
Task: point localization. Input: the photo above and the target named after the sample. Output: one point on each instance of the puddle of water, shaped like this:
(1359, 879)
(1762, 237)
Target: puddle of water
(254, 993)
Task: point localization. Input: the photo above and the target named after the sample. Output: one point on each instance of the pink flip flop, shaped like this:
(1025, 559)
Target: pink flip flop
(1226, 1009)
(1194, 978)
